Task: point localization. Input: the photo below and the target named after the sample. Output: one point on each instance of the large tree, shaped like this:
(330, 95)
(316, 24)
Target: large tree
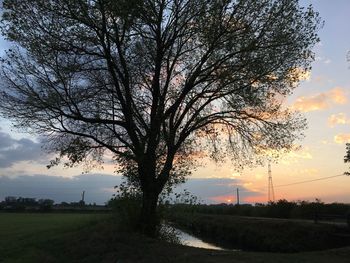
(158, 82)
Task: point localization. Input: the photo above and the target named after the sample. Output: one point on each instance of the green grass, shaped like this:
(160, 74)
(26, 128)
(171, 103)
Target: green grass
(22, 235)
(56, 238)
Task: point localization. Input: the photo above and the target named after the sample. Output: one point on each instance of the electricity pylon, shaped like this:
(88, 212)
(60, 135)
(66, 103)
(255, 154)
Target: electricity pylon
(271, 192)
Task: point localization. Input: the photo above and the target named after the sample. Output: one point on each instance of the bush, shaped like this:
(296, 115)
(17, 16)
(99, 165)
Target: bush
(127, 208)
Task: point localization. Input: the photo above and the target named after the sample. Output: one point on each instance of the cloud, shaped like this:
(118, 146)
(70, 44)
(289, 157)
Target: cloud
(342, 138)
(16, 150)
(320, 101)
(338, 95)
(339, 118)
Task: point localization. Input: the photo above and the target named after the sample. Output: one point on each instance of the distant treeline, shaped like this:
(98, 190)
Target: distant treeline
(279, 209)
(25, 203)
(12, 203)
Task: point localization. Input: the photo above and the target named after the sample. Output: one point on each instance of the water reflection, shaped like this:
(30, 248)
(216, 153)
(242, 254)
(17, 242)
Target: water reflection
(189, 240)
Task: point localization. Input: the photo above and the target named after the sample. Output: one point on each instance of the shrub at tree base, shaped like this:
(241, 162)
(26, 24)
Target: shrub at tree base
(127, 209)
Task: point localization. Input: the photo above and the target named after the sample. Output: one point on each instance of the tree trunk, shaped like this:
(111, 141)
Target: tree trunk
(149, 220)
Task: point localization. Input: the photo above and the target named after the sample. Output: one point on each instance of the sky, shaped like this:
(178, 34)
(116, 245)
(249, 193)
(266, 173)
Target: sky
(323, 97)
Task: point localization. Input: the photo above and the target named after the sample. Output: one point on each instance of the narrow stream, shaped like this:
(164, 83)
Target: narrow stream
(192, 241)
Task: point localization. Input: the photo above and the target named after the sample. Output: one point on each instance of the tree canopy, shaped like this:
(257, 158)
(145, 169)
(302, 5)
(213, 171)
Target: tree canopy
(156, 83)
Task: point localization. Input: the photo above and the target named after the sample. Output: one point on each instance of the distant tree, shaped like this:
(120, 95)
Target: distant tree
(156, 83)
(45, 204)
(10, 199)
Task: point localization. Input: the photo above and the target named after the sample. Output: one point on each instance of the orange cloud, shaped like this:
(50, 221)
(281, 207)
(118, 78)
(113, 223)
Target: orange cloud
(320, 101)
(339, 118)
(342, 138)
(338, 95)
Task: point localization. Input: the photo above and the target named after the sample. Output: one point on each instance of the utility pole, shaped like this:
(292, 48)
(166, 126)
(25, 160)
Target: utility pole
(237, 196)
(82, 196)
(271, 192)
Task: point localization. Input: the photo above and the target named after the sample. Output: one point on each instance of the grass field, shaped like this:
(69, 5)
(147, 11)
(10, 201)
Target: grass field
(23, 236)
(95, 238)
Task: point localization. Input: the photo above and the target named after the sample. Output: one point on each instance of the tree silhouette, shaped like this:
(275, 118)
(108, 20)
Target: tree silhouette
(156, 83)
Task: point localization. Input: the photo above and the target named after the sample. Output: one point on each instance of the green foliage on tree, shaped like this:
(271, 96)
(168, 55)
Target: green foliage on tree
(156, 83)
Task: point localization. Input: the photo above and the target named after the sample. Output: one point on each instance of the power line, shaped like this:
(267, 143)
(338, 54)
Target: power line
(290, 184)
(309, 181)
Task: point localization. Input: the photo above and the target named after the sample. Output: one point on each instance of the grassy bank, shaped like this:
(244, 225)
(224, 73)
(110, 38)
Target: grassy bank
(261, 234)
(52, 238)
